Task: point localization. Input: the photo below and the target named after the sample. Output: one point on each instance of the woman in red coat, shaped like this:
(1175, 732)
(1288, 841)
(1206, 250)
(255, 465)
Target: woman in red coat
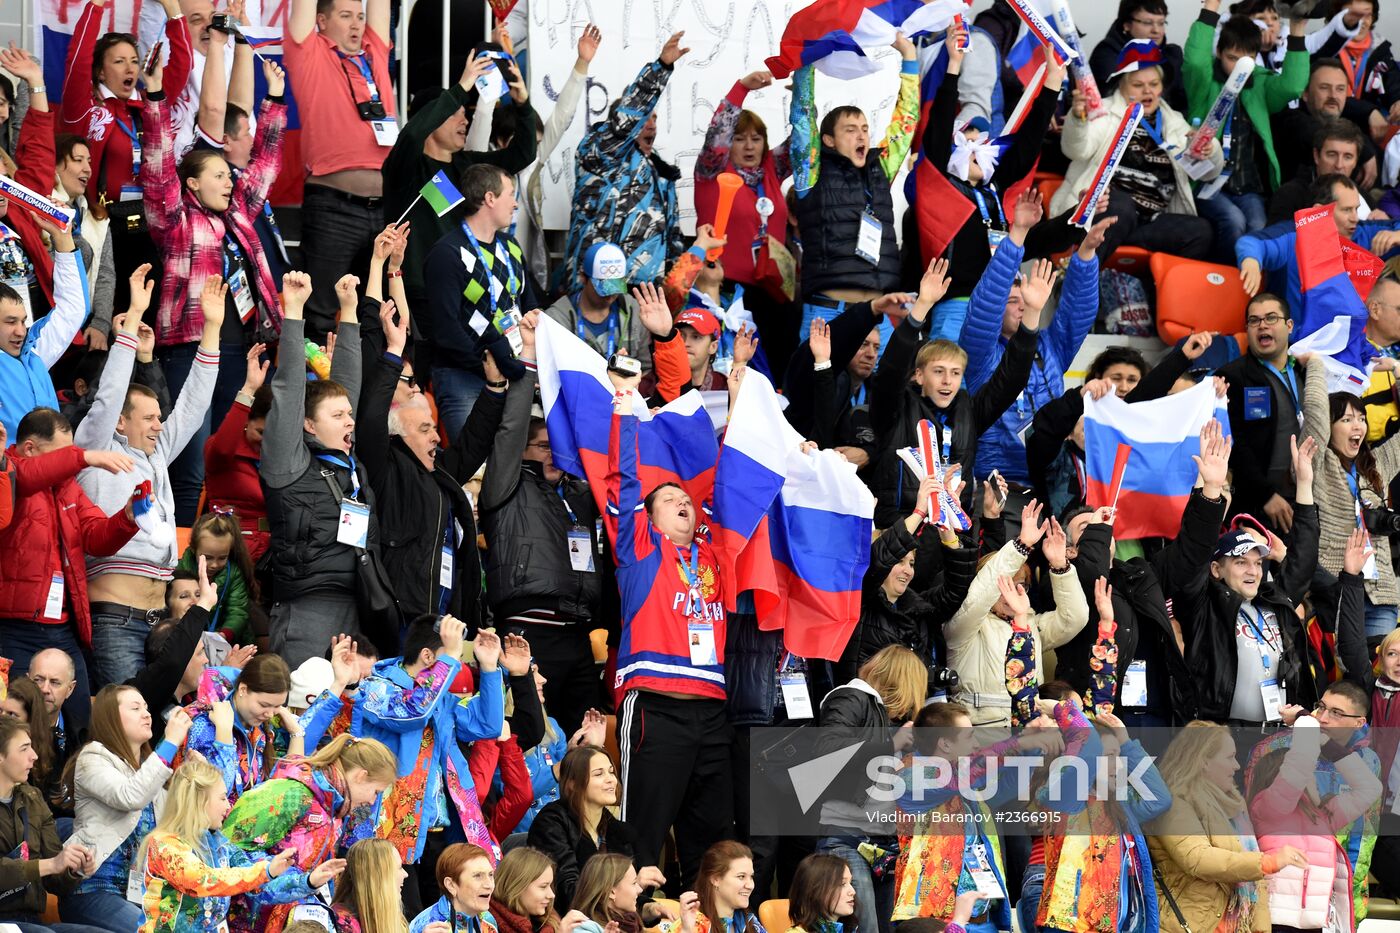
(231, 457)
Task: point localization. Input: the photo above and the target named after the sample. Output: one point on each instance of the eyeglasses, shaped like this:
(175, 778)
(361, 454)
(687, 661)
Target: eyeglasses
(408, 380)
(1151, 23)
(1269, 320)
(541, 445)
(1321, 708)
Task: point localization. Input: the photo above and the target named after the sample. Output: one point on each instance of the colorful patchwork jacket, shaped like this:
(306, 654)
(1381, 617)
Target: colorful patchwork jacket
(409, 715)
(189, 891)
(1096, 858)
(464, 923)
(244, 763)
(297, 808)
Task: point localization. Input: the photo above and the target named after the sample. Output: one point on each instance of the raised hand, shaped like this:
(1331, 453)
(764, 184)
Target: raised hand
(487, 649)
(155, 77)
(296, 289)
(141, 288)
(1302, 455)
(672, 51)
(1251, 276)
(343, 666)
(653, 310)
(1097, 388)
(755, 80)
(328, 870)
(239, 655)
(492, 371)
(904, 47)
(819, 340)
(346, 294)
(1036, 288)
(1197, 343)
(1054, 545)
(207, 597)
(705, 238)
(452, 632)
(529, 329)
(281, 862)
(395, 333)
(1031, 529)
(588, 43)
(1095, 237)
(1214, 460)
(256, 372)
(275, 76)
(221, 715)
(934, 283)
(953, 41)
(624, 384)
(515, 655)
(1103, 599)
(21, 64)
(177, 726)
(213, 301)
(1358, 548)
(993, 496)
(1015, 595)
(1027, 212)
(745, 345)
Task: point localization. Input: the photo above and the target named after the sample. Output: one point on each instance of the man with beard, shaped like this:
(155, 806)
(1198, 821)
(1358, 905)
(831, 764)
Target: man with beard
(1325, 100)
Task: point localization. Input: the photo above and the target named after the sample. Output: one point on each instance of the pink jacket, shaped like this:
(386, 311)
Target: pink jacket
(191, 237)
(1300, 897)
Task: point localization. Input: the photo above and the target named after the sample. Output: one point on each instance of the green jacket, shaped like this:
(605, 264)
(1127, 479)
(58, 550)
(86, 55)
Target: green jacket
(1264, 94)
(231, 614)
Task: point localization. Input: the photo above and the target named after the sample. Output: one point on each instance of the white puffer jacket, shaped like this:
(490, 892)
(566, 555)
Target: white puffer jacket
(110, 796)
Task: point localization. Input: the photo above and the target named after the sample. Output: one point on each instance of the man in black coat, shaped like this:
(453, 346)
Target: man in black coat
(1265, 411)
(425, 519)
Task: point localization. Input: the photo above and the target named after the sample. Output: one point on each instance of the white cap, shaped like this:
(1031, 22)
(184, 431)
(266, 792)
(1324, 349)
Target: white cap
(309, 681)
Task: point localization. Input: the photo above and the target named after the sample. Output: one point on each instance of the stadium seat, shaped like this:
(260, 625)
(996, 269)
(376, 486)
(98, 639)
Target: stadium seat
(1047, 186)
(182, 539)
(1131, 260)
(599, 640)
(610, 744)
(1195, 296)
(774, 915)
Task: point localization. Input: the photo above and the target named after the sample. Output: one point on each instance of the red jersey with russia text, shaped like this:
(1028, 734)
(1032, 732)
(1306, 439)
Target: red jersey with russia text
(660, 614)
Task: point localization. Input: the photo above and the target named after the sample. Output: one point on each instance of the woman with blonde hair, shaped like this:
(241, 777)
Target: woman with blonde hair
(523, 901)
(1209, 867)
(607, 895)
(192, 870)
(303, 808)
(875, 709)
(369, 896)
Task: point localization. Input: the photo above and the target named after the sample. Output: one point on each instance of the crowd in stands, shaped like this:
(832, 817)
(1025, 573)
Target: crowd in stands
(303, 628)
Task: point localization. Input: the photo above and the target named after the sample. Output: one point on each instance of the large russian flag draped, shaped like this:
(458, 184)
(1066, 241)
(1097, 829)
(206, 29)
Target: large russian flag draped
(838, 35)
(792, 527)
(676, 444)
(1156, 441)
(1335, 275)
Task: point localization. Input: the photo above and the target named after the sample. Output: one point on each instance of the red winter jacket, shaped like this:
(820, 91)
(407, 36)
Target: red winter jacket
(34, 154)
(231, 478)
(29, 557)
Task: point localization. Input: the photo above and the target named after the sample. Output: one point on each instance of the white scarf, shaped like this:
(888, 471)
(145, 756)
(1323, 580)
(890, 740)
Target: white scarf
(964, 151)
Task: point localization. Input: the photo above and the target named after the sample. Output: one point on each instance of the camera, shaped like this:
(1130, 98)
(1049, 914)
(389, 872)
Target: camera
(1381, 521)
(219, 21)
(624, 365)
(370, 109)
(942, 678)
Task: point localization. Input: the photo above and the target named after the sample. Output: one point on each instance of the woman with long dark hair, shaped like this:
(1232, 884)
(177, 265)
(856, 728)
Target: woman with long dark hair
(725, 885)
(821, 897)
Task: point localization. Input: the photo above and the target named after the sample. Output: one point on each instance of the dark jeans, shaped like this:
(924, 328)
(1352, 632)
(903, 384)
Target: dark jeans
(874, 898)
(1232, 216)
(1178, 234)
(21, 639)
(118, 647)
(187, 469)
(572, 679)
(456, 392)
(337, 237)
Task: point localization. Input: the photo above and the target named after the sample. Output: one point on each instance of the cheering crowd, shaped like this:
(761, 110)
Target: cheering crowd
(303, 628)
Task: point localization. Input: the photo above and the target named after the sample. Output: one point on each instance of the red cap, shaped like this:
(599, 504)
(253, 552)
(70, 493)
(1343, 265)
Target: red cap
(463, 683)
(705, 323)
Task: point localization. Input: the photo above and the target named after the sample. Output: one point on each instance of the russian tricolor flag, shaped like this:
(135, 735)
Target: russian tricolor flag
(1140, 456)
(1335, 276)
(675, 444)
(836, 35)
(794, 528)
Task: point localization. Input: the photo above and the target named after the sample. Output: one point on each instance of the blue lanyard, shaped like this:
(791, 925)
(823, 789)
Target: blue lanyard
(363, 62)
(568, 508)
(762, 218)
(982, 205)
(1360, 78)
(448, 550)
(1225, 137)
(614, 325)
(512, 284)
(1155, 133)
(1258, 629)
(1352, 481)
(135, 138)
(1290, 381)
(348, 463)
(692, 569)
(858, 396)
(945, 437)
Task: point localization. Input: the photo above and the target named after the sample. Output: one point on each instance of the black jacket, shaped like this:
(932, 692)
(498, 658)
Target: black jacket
(557, 833)
(1295, 126)
(1140, 607)
(853, 712)
(414, 503)
(527, 525)
(819, 403)
(1255, 438)
(916, 619)
(1208, 611)
(897, 406)
(829, 218)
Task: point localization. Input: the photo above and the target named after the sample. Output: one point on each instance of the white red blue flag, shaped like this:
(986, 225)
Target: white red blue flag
(1138, 456)
(839, 36)
(794, 528)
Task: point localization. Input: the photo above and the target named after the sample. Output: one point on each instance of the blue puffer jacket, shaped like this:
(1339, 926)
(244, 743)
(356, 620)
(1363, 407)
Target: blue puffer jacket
(1275, 248)
(1002, 447)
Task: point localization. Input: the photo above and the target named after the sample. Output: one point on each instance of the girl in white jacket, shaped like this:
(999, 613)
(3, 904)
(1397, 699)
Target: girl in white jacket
(118, 785)
(978, 634)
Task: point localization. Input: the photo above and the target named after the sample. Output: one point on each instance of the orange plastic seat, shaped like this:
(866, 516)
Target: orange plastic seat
(1197, 296)
(182, 539)
(1047, 186)
(610, 742)
(598, 639)
(1132, 260)
(773, 914)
